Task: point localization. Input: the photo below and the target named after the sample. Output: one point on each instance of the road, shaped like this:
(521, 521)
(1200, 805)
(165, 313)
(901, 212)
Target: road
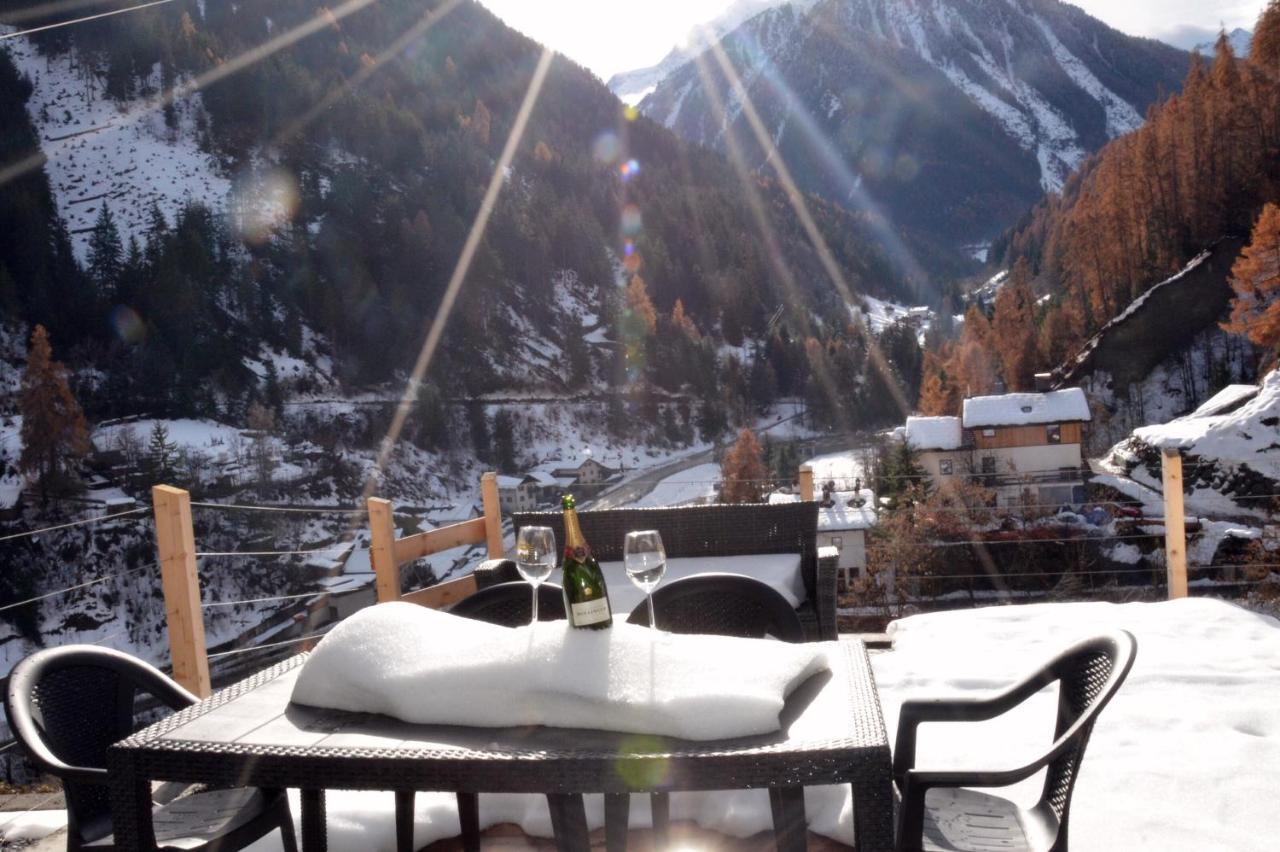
(626, 493)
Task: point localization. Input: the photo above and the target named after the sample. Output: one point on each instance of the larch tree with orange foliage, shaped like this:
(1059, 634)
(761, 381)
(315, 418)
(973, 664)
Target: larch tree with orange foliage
(54, 432)
(1255, 277)
(939, 393)
(742, 470)
(1013, 329)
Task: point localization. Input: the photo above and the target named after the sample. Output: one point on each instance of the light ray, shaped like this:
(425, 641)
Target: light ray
(83, 20)
(801, 209)
(460, 270)
(759, 215)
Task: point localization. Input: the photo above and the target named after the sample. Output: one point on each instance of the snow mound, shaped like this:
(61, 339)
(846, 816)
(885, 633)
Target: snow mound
(1246, 436)
(401, 660)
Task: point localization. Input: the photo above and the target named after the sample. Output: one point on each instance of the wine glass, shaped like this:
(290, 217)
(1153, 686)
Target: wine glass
(535, 557)
(646, 561)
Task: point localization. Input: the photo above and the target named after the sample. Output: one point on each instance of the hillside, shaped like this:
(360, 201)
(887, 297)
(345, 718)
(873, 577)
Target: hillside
(315, 204)
(950, 116)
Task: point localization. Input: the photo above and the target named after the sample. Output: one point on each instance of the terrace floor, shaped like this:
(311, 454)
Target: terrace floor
(1187, 756)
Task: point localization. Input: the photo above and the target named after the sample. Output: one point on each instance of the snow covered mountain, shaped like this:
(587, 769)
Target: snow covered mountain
(1240, 39)
(951, 116)
(633, 86)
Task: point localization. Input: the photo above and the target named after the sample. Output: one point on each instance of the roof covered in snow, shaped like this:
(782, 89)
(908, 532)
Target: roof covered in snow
(1245, 435)
(934, 433)
(844, 516)
(1025, 409)
(1230, 397)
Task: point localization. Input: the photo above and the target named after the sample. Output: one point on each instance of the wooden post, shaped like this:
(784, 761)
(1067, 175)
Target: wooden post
(382, 549)
(1175, 529)
(176, 547)
(492, 514)
(806, 482)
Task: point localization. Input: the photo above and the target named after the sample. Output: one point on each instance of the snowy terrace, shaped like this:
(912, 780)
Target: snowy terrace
(1187, 756)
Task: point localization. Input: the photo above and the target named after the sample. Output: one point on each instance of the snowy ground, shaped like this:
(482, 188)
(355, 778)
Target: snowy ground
(1187, 756)
(121, 154)
(695, 485)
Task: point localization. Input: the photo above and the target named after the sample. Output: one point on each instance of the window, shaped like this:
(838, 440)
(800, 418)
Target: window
(988, 433)
(988, 464)
(1053, 434)
(837, 541)
(945, 467)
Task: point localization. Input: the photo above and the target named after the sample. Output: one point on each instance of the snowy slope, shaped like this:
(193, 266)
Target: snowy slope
(120, 154)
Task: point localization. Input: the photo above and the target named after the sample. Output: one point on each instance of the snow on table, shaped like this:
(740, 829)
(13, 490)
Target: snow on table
(779, 571)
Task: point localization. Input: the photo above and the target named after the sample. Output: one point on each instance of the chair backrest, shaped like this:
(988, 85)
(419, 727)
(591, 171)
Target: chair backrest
(67, 705)
(511, 604)
(1089, 673)
(715, 530)
(722, 604)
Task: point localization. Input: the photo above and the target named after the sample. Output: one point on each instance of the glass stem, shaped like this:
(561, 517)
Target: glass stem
(653, 622)
(534, 620)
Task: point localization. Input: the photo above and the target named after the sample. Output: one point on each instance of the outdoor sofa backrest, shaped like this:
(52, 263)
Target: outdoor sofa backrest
(720, 529)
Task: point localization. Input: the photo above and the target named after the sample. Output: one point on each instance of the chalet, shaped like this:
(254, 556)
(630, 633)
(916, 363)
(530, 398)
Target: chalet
(843, 520)
(519, 493)
(1025, 446)
(940, 447)
(590, 472)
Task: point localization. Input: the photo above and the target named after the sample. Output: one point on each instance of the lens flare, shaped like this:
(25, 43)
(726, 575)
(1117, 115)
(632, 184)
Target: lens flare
(648, 772)
(629, 169)
(127, 325)
(632, 221)
(630, 113)
(606, 148)
(263, 203)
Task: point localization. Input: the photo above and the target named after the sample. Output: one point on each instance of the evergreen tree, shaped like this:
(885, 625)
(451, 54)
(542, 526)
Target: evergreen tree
(481, 441)
(742, 470)
(504, 441)
(1255, 277)
(1264, 49)
(106, 254)
(161, 454)
(54, 433)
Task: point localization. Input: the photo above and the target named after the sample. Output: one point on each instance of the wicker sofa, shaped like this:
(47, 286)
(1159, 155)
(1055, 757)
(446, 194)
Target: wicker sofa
(715, 530)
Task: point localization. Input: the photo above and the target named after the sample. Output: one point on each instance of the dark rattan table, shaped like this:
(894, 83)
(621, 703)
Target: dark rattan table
(833, 733)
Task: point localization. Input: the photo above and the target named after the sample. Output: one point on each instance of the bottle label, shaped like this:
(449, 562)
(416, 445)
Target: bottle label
(590, 612)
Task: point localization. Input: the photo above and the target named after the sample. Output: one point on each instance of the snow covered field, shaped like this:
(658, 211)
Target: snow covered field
(695, 485)
(1187, 756)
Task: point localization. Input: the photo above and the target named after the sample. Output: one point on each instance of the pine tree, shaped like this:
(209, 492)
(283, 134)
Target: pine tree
(106, 254)
(161, 454)
(742, 470)
(640, 309)
(54, 432)
(1255, 277)
(504, 441)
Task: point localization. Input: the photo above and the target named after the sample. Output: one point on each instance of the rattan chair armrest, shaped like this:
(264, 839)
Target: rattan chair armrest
(825, 583)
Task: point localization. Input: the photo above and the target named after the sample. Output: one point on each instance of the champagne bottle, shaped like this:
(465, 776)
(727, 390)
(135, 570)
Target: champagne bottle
(586, 598)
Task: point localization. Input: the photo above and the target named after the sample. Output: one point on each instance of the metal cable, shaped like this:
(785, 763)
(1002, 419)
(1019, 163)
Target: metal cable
(290, 509)
(334, 549)
(78, 586)
(235, 651)
(264, 600)
(78, 523)
(83, 20)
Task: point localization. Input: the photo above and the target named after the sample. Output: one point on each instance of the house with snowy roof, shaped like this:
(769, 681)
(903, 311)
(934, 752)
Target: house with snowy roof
(519, 493)
(1025, 446)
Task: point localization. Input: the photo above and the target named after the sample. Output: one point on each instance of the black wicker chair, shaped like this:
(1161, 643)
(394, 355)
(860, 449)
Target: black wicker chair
(1088, 675)
(67, 705)
(721, 604)
(511, 604)
(718, 530)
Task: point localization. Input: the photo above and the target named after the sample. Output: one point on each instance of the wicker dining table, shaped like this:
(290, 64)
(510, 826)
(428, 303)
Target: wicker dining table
(251, 734)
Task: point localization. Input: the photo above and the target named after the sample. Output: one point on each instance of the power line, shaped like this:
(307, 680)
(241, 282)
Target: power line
(264, 646)
(70, 524)
(78, 586)
(83, 20)
(292, 509)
